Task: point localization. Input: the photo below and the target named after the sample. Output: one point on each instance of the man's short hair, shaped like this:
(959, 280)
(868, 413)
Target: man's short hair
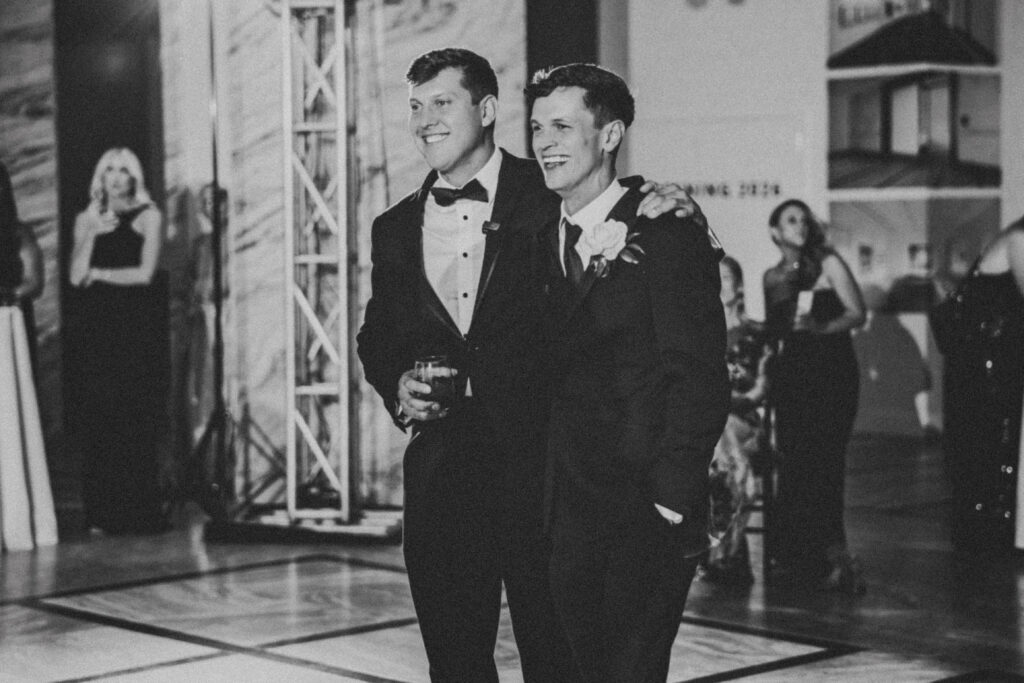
(477, 75)
(606, 95)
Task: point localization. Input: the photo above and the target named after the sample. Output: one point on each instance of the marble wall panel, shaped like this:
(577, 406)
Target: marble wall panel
(247, 41)
(253, 113)
(28, 149)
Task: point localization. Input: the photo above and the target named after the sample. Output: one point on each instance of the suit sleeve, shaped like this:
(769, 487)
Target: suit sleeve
(689, 326)
(379, 341)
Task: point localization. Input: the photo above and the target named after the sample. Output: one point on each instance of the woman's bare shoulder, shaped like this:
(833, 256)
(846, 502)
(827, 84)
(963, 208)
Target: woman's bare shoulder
(148, 217)
(994, 257)
(832, 262)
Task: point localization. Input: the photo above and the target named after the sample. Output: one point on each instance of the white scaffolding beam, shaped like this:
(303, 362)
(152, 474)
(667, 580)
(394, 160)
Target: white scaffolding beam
(318, 449)
(320, 467)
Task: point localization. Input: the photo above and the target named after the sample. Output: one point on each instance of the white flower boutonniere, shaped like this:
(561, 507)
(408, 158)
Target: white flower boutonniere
(609, 241)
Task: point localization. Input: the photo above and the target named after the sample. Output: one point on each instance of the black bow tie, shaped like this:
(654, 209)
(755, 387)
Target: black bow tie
(446, 196)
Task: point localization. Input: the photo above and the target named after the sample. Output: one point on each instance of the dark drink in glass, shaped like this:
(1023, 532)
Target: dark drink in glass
(435, 371)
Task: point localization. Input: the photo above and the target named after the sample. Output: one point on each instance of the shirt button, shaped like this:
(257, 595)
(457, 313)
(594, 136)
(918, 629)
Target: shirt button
(465, 255)
(465, 218)
(465, 295)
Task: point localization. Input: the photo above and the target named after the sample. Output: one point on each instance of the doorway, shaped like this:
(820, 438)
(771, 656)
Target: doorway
(107, 64)
(108, 93)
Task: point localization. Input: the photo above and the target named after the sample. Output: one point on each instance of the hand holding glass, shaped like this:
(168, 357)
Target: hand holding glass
(435, 371)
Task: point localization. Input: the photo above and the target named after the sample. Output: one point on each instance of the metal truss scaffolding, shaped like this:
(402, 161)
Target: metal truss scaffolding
(321, 456)
(318, 450)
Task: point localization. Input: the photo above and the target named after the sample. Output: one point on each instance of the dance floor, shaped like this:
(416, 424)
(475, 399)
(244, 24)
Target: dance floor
(178, 608)
(325, 617)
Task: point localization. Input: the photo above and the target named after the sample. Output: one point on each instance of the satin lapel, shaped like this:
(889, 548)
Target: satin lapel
(413, 215)
(589, 278)
(553, 250)
(506, 196)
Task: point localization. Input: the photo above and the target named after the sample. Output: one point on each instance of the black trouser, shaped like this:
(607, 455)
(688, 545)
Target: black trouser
(620, 581)
(475, 525)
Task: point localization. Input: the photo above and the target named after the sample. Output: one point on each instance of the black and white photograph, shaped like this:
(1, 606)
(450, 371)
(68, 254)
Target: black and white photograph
(511, 341)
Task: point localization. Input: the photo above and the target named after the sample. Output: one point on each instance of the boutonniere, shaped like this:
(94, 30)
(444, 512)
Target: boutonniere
(610, 241)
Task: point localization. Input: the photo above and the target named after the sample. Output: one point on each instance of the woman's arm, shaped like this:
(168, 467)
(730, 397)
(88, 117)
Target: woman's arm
(32, 266)
(839, 276)
(150, 224)
(81, 255)
(1015, 257)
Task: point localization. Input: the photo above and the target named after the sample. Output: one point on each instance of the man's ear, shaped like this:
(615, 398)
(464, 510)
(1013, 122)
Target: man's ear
(611, 135)
(488, 110)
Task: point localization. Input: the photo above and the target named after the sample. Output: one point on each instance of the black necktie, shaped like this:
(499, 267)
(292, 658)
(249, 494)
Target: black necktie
(446, 196)
(570, 257)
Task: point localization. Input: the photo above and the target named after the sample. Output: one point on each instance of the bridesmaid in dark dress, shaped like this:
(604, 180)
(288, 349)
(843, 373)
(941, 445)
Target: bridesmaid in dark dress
(812, 304)
(122, 357)
(983, 386)
(21, 262)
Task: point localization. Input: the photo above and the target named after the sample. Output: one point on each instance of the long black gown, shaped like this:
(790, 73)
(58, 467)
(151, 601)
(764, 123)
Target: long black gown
(11, 270)
(122, 366)
(10, 260)
(983, 387)
(815, 385)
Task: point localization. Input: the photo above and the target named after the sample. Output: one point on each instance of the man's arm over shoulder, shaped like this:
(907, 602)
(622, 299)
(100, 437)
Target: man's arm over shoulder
(682, 269)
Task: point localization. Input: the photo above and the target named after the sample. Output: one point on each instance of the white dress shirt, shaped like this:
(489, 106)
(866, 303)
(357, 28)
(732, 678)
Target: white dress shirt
(453, 245)
(588, 218)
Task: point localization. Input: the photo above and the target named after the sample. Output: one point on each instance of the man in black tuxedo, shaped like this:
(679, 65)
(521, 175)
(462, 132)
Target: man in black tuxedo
(453, 274)
(643, 393)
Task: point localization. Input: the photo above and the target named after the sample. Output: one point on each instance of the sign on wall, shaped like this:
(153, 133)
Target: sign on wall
(747, 166)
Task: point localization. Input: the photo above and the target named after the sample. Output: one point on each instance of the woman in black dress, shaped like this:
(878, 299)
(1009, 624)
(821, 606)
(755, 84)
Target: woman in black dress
(27, 518)
(122, 358)
(812, 304)
(982, 388)
(21, 262)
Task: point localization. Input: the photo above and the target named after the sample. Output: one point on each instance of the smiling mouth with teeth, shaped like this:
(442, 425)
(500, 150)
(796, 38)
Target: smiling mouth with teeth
(555, 160)
(434, 137)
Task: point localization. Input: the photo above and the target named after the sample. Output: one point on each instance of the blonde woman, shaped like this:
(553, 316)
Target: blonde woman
(119, 348)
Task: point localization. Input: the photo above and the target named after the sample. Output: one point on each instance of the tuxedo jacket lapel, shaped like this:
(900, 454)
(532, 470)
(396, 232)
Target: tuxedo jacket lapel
(497, 230)
(413, 215)
(624, 211)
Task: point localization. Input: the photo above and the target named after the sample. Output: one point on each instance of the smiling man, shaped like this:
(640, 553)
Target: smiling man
(638, 331)
(453, 275)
